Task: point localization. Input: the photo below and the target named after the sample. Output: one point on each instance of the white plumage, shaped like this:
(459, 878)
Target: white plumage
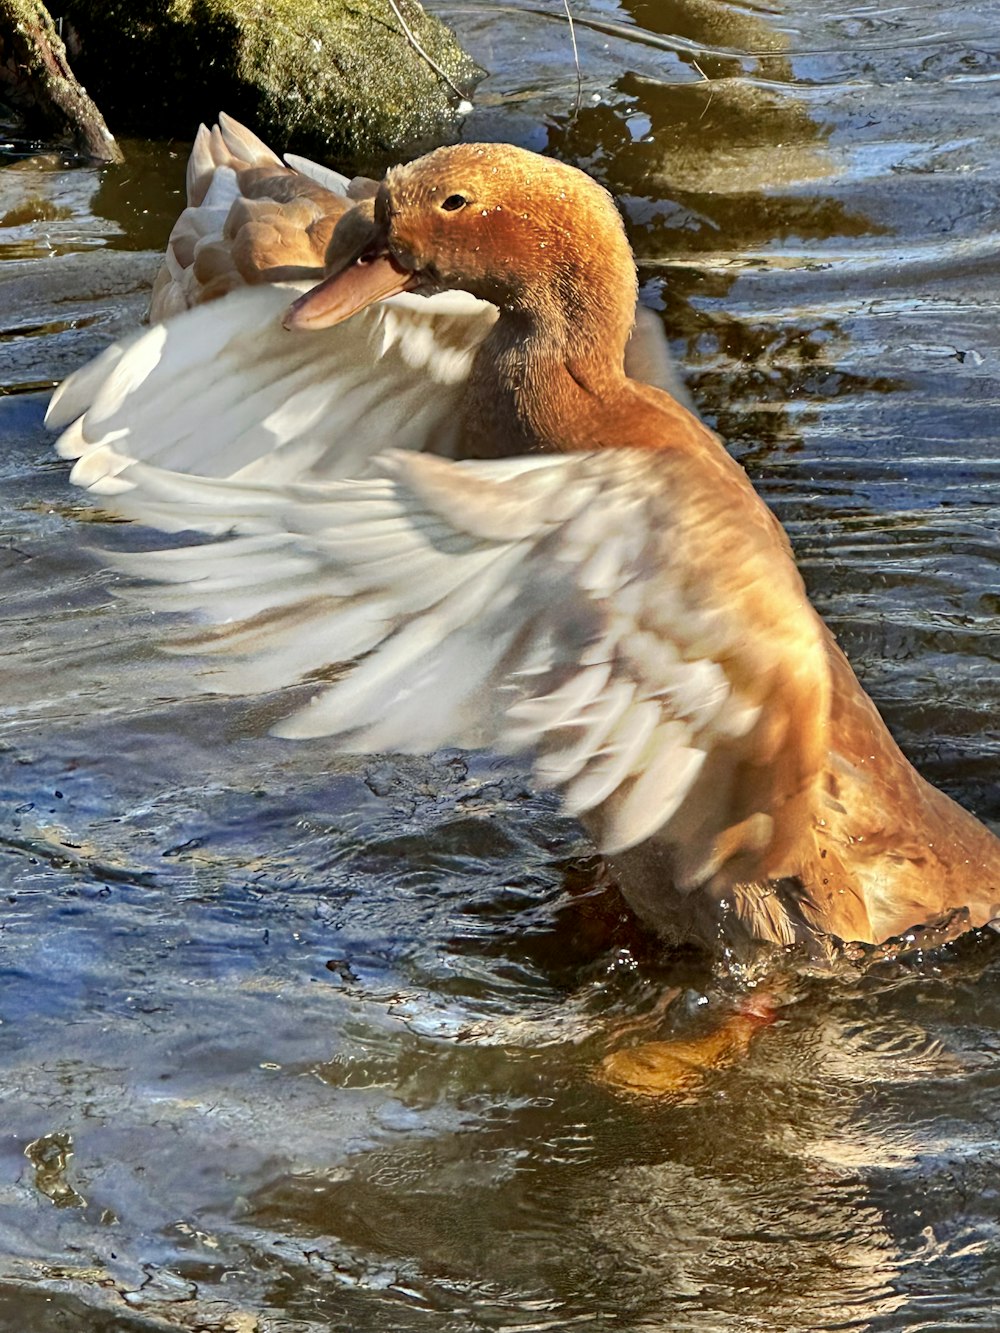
(472, 604)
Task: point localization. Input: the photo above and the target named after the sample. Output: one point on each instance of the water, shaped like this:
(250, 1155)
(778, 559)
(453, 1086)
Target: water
(293, 1045)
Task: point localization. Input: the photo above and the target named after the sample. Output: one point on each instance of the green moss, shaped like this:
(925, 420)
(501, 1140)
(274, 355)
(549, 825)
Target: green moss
(334, 78)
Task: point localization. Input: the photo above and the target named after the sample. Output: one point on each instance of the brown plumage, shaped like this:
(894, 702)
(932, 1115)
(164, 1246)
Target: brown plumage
(693, 708)
(250, 219)
(851, 841)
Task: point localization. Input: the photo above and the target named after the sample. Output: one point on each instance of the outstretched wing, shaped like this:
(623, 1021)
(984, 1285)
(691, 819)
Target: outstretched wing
(632, 620)
(218, 387)
(223, 390)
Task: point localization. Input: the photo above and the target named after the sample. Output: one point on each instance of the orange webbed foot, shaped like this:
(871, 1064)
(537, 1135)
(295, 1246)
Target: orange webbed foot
(679, 1068)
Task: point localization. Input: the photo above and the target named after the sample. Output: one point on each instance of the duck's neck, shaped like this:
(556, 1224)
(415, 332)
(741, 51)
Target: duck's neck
(551, 374)
(533, 390)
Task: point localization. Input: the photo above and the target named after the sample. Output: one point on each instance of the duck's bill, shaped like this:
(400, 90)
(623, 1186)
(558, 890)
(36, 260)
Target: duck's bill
(336, 298)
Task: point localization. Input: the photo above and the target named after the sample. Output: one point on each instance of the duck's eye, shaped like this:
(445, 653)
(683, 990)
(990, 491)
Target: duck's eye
(454, 202)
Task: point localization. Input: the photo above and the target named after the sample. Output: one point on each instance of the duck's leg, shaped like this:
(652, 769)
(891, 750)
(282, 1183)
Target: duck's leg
(680, 1067)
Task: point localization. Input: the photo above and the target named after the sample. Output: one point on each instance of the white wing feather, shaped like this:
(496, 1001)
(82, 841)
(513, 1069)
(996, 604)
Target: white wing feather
(329, 179)
(449, 625)
(223, 390)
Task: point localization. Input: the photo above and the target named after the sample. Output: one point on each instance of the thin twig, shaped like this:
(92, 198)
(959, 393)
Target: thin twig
(711, 91)
(411, 38)
(576, 60)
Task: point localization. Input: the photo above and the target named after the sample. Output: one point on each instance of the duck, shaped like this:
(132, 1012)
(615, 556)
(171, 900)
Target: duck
(425, 462)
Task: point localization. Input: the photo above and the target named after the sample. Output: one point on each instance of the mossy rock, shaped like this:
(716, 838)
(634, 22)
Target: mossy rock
(332, 78)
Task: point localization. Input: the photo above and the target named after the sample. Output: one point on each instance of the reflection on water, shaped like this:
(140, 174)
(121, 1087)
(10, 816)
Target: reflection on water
(289, 1046)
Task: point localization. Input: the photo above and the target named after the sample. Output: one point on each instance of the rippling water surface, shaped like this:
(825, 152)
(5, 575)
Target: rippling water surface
(293, 1045)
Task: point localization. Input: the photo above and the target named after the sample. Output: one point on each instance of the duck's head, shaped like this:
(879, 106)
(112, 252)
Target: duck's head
(525, 232)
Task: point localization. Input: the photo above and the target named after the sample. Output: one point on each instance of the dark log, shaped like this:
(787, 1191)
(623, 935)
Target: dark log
(36, 80)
